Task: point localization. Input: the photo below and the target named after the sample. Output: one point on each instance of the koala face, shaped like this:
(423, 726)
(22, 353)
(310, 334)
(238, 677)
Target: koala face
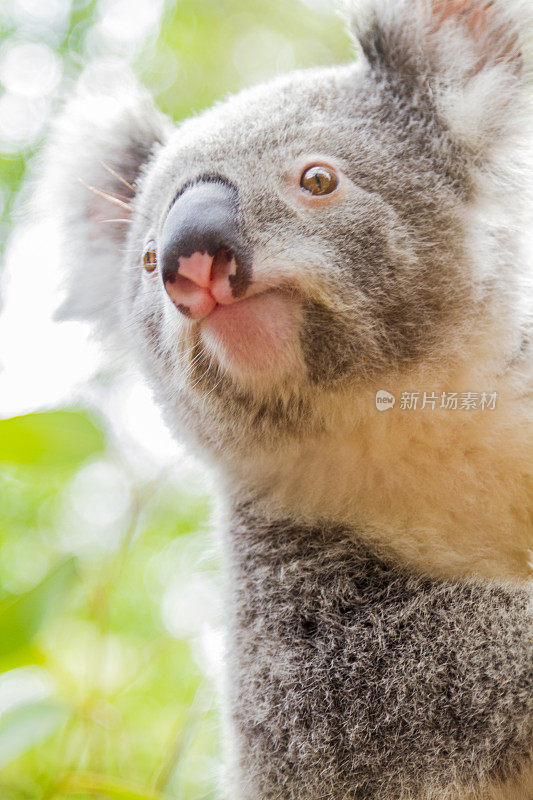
(303, 240)
(294, 242)
(294, 251)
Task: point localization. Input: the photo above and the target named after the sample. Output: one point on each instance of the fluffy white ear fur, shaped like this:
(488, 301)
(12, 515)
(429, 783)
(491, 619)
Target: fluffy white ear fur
(475, 55)
(98, 148)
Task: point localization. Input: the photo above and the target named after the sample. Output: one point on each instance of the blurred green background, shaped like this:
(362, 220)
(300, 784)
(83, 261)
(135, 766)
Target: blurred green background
(110, 625)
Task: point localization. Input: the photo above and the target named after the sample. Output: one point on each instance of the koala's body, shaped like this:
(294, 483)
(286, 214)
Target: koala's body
(288, 255)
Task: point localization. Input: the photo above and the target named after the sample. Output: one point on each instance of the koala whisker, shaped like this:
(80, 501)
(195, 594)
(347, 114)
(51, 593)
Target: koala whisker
(189, 369)
(217, 384)
(190, 350)
(101, 193)
(112, 199)
(206, 371)
(117, 176)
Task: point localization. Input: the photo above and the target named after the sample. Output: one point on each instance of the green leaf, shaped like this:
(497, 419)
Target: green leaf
(27, 726)
(112, 788)
(22, 616)
(60, 439)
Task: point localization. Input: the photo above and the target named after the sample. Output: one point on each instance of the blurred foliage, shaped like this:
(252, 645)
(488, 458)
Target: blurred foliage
(91, 679)
(55, 440)
(105, 689)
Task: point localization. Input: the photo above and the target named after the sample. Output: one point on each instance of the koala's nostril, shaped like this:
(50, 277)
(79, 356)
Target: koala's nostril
(222, 264)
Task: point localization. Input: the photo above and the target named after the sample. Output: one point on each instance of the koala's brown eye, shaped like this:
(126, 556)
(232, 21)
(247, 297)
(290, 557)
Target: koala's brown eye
(319, 180)
(150, 257)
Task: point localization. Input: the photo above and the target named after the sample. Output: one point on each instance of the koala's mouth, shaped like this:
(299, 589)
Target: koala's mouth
(256, 334)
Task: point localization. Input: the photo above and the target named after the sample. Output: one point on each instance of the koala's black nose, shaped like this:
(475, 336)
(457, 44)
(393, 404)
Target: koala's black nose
(203, 255)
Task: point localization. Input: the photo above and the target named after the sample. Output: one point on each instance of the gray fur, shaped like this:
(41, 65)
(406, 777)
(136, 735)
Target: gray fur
(351, 679)
(356, 673)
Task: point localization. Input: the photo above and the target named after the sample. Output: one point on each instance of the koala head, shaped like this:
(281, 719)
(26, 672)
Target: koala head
(279, 255)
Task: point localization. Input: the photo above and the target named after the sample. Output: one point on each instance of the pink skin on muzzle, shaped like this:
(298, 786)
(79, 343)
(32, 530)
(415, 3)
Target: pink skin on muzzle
(252, 331)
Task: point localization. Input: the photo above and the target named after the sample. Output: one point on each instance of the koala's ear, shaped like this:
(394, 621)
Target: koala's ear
(474, 56)
(98, 149)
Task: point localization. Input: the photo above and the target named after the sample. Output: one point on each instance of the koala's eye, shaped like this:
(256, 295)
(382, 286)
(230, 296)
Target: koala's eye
(150, 257)
(319, 180)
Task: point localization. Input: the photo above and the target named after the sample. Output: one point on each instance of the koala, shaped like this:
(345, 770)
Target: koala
(276, 262)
